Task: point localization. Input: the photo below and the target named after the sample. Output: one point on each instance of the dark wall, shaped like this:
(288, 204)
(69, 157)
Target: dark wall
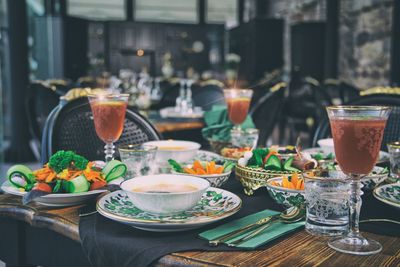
(125, 38)
(259, 43)
(307, 49)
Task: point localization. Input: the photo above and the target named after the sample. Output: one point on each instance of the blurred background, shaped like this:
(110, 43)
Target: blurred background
(324, 51)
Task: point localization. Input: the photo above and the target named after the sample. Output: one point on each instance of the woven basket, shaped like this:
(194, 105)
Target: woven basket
(254, 178)
(217, 146)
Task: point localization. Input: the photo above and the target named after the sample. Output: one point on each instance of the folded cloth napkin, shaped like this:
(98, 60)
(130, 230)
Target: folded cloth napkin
(218, 126)
(274, 231)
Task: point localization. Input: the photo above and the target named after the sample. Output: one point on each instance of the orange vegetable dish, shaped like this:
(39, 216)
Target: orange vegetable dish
(206, 168)
(47, 175)
(291, 182)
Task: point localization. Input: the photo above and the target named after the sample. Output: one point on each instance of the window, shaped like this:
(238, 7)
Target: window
(222, 11)
(97, 9)
(181, 11)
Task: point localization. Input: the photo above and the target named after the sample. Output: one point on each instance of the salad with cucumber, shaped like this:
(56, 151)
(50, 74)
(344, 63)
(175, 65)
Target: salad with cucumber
(66, 172)
(268, 159)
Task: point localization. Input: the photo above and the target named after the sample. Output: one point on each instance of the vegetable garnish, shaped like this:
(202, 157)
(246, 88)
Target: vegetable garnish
(201, 168)
(291, 182)
(66, 172)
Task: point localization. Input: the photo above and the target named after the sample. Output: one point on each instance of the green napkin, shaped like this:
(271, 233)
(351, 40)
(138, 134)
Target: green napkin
(276, 230)
(218, 126)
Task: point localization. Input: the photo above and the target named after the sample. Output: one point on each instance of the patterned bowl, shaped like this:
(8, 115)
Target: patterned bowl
(254, 178)
(285, 196)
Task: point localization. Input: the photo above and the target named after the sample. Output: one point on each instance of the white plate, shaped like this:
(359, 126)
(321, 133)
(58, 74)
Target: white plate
(55, 200)
(383, 156)
(169, 112)
(216, 204)
(389, 194)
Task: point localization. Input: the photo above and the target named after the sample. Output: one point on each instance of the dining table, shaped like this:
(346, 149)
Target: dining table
(34, 235)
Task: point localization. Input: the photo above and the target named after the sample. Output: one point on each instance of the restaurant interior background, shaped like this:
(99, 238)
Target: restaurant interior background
(337, 46)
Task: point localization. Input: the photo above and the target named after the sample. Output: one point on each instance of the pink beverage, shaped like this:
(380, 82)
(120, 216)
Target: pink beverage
(357, 143)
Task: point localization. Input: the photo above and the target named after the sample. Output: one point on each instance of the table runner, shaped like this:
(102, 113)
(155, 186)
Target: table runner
(109, 243)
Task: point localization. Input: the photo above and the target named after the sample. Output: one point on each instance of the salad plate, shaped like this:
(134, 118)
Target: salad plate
(55, 200)
(389, 194)
(216, 204)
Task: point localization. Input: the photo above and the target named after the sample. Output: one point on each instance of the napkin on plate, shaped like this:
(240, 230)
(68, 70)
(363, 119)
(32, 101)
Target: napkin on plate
(218, 125)
(276, 230)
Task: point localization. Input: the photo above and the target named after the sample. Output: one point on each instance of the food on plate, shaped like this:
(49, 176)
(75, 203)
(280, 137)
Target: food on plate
(165, 188)
(66, 172)
(201, 168)
(234, 152)
(291, 182)
(321, 156)
(284, 150)
(270, 159)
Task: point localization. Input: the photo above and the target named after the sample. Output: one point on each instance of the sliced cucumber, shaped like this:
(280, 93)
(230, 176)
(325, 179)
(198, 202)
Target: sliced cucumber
(273, 163)
(287, 166)
(23, 172)
(77, 185)
(113, 170)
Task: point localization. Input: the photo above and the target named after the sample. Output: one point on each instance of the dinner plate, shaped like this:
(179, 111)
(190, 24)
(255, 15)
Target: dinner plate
(383, 156)
(389, 194)
(55, 200)
(170, 112)
(216, 204)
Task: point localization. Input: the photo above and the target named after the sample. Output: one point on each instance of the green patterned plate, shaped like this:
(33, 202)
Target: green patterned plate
(216, 204)
(389, 194)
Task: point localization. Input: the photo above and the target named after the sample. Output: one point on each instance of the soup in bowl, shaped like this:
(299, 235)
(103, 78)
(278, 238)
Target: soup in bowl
(165, 193)
(181, 151)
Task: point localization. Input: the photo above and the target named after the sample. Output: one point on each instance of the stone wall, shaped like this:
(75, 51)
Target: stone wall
(364, 35)
(365, 40)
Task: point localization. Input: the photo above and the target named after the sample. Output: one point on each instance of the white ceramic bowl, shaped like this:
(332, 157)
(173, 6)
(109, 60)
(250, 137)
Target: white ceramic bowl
(186, 154)
(326, 145)
(165, 203)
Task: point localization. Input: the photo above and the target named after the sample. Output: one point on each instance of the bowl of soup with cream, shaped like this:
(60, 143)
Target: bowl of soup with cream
(165, 193)
(181, 151)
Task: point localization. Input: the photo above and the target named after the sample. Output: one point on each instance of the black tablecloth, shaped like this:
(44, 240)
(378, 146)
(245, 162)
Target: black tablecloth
(108, 243)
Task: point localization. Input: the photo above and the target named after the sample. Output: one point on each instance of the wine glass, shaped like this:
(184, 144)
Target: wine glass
(357, 135)
(238, 101)
(109, 116)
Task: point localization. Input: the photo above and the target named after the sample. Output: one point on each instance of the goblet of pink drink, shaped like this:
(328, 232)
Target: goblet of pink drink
(357, 135)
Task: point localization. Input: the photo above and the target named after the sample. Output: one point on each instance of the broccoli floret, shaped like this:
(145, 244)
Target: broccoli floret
(67, 159)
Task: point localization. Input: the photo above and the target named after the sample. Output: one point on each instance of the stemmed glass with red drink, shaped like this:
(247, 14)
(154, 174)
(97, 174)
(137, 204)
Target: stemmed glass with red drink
(238, 101)
(109, 116)
(357, 135)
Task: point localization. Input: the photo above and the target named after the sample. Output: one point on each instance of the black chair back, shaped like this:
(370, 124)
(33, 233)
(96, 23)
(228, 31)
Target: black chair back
(170, 92)
(392, 130)
(265, 112)
(207, 96)
(41, 100)
(71, 127)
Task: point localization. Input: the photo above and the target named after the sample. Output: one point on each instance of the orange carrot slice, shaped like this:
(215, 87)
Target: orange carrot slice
(219, 170)
(197, 165)
(211, 167)
(285, 182)
(190, 171)
(294, 179)
(200, 171)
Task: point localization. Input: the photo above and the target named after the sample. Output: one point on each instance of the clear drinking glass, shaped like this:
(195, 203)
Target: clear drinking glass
(139, 159)
(327, 207)
(394, 157)
(109, 117)
(357, 135)
(238, 101)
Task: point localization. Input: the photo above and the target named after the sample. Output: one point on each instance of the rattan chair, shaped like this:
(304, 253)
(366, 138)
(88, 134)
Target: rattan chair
(392, 130)
(71, 127)
(265, 112)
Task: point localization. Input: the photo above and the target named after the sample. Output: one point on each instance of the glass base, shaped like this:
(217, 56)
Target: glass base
(355, 245)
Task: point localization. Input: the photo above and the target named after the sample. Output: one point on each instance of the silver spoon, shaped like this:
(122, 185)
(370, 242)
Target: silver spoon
(292, 216)
(288, 213)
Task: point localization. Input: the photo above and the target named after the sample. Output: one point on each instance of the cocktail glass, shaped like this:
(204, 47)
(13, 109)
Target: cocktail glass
(357, 135)
(238, 101)
(109, 116)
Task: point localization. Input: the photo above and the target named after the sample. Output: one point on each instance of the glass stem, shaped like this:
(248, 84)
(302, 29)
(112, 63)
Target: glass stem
(355, 206)
(109, 151)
